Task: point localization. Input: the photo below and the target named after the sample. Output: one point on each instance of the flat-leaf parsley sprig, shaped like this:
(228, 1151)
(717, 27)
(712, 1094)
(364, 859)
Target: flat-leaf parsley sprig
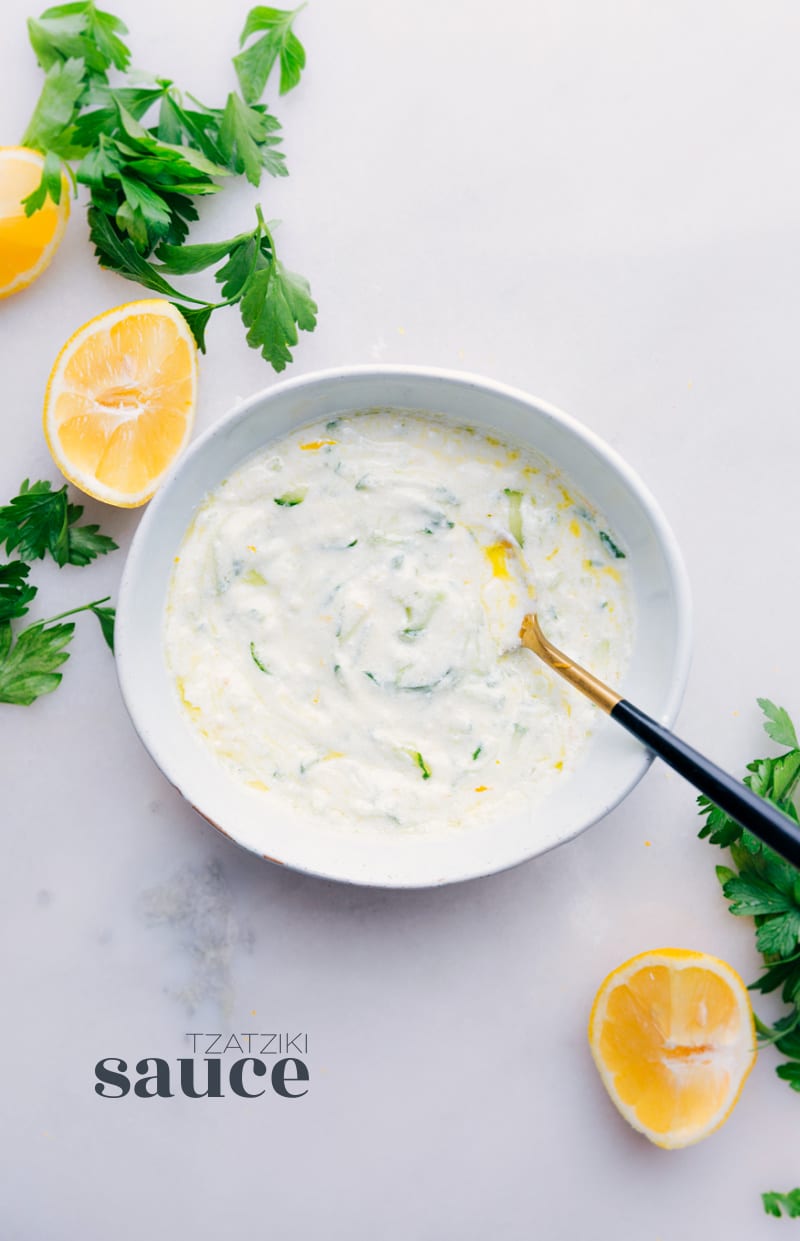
(40, 520)
(37, 522)
(764, 886)
(146, 152)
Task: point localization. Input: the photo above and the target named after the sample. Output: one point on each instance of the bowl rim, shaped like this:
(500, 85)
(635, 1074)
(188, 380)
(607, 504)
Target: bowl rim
(665, 536)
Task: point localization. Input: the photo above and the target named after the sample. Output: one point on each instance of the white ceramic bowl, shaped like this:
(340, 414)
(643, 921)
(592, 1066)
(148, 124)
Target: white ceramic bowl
(611, 764)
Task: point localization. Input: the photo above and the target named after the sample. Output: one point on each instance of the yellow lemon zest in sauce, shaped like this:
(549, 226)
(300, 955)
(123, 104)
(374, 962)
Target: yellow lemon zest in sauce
(496, 554)
(190, 706)
(313, 445)
(574, 528)
(559, 766)
(568, 501)
(482, 788)
(250, 547)
(333, 754)
(553, 553)
(258, 784)
(612, 572)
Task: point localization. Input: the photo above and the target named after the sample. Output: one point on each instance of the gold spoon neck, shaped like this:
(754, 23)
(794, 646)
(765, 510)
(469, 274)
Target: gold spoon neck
(600, 694)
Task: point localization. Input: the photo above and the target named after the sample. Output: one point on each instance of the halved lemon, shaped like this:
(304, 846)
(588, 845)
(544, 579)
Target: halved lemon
(27, 243)
(673, 1037)
(120, 401)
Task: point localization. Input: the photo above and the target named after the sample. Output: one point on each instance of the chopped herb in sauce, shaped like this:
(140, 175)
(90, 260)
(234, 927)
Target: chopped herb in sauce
(290, 498)
(423, 766)
(611, 546)
(515, 514)
(256, 660)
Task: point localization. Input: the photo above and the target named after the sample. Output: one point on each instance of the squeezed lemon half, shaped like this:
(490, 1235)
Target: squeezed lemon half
(27, 243)
(673, 1037)
(120, 401)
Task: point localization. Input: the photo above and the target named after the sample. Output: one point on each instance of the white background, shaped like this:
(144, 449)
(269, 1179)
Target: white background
(598, 202)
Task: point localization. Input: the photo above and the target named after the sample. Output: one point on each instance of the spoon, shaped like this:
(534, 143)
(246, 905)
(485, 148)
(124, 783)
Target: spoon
(760, 817)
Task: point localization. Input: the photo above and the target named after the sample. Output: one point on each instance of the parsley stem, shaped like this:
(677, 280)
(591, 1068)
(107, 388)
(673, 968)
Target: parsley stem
(265, 230)
(73, 611)
(769, 1034)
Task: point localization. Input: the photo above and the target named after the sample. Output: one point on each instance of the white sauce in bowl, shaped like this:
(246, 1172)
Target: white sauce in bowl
(341, 612)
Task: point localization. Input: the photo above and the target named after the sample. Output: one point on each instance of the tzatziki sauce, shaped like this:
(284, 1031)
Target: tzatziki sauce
(343, 616)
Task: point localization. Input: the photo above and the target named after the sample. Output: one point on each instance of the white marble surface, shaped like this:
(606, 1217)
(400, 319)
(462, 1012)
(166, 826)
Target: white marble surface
(598, 202)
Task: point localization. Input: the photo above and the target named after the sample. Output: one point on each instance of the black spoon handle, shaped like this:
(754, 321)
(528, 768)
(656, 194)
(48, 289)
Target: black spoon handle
(760, 817)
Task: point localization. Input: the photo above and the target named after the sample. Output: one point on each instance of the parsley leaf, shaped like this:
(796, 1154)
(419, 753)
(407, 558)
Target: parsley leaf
(104, 29)
(197, 317)
(35, 522)
(41, 520)
(779, 937)
(106, 617)
(86, 543)
(274, 304)
(55, 39)
(28, 666)
(255, 64)
(50, 130)
(15, 593)
(101, 119)
(120, 255)
(182, 260)
(777, 1204)
(247, 140)
(198, 126)
(79, 30)
(779, 727)
(63, 87)
(234, 275)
